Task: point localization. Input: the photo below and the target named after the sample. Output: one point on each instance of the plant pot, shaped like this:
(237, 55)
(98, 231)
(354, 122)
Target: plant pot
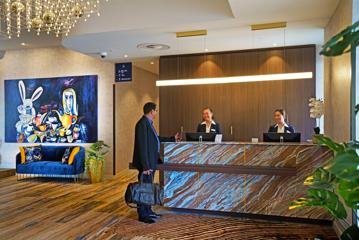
(95, 170)
(314, 138)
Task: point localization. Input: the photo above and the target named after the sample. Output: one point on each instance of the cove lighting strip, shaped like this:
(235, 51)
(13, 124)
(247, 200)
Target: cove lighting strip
(238, 79)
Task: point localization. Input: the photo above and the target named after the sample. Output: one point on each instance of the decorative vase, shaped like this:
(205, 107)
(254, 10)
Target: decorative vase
(95, 170)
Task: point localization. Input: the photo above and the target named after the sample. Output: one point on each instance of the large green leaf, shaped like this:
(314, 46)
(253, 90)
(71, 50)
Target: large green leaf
(321, 198)
(349, 191)
(345, 165)
(352, 145)
(343, 42)
(321, 178)
(336, 147)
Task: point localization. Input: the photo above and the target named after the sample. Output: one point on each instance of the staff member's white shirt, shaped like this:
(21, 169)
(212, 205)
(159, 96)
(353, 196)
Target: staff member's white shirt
(281, 129)
(208, 128)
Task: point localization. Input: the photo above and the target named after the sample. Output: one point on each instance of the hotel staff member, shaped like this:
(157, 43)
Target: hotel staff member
(281, 126)
(208, 125)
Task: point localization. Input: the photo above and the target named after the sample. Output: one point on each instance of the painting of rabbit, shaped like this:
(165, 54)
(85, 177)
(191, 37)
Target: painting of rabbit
(51, 110)
(26, 109)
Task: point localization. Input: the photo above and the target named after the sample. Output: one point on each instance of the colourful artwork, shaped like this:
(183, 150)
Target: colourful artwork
(51, 110)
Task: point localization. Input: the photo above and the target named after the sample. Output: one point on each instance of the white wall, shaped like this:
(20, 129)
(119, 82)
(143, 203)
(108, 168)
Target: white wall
(319, 82)
(130, 98)
(56, 62)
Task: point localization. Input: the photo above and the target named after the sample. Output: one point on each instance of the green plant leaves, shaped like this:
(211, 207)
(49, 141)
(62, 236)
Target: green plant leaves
(349, 190)
(345, 165)
(343, 42)
(321, 198)
(336, 147)
(321, 178)
(96, 152)
(341, 177)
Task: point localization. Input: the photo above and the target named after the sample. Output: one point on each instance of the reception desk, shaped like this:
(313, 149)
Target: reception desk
(251, 178)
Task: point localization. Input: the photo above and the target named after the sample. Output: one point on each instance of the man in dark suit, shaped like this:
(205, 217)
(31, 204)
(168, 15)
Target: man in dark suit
(146, 154)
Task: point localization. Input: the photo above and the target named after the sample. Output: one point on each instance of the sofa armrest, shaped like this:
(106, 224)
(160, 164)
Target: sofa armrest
(18, 158)
(79, 161)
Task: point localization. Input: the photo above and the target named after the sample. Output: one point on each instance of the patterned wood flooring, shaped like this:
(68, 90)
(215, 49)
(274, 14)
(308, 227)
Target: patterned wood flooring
(6, 172)
(54, 209)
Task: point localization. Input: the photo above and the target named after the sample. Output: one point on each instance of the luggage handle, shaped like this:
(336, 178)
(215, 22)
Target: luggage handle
(151, 174)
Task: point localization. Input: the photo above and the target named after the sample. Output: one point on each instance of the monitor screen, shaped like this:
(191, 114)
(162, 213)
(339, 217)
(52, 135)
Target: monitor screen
(281, 137)
(206, 137)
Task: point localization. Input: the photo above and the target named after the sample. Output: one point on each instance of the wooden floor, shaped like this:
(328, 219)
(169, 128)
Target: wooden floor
(6, 172)
(49, 209)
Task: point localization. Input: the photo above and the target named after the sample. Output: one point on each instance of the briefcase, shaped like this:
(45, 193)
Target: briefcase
(143, 193)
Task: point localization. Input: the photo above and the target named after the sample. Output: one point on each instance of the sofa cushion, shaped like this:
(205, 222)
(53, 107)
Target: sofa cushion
(22, 154)
(32, 154)
(65, 157)
(74, 151)
(46, 168)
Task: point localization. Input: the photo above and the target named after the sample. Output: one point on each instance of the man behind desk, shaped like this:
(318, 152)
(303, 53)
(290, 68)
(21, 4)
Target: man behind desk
(146, 154)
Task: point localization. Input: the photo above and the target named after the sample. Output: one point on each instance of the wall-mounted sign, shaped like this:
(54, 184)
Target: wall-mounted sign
(123, 72)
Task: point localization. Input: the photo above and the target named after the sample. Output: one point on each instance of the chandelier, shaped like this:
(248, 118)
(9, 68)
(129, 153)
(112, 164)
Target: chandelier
(50, 16)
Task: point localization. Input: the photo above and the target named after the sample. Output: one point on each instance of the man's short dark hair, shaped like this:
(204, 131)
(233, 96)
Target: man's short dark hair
(148, 107)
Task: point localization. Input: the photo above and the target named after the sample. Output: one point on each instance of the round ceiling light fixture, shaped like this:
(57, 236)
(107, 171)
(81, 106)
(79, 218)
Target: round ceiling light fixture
(153, 46)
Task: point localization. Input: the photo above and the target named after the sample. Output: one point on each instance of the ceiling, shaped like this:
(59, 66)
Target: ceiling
(124, 24)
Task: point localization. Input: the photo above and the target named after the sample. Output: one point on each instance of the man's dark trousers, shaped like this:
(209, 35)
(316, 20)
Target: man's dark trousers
(144, 210)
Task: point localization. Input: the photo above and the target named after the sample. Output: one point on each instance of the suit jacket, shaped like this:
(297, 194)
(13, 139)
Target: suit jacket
(288, 128)
(215, 128)
(145, 154)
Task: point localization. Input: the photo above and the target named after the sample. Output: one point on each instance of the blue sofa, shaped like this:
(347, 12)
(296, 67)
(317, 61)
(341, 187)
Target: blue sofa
(51, 165)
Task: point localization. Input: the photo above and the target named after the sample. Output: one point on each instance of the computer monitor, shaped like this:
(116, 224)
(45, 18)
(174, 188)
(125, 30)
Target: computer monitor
(206, 137)
(276, 137)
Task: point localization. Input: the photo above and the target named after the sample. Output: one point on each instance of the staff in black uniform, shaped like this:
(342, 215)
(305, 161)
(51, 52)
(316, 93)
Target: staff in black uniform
(146, 154)
(208, 125)
(281, 126)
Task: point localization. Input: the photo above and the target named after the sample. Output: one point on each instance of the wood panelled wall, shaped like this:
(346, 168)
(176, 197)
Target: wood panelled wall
(244, 110)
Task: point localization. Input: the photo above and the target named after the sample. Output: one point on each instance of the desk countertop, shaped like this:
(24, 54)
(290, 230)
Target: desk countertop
(248, 143)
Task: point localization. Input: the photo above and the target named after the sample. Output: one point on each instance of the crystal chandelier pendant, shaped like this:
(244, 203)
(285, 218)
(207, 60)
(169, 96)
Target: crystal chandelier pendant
(50, 16)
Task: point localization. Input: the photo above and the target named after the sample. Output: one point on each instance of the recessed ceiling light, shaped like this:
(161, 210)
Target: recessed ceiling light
(23, 44)
(125, 56)
(153, 46)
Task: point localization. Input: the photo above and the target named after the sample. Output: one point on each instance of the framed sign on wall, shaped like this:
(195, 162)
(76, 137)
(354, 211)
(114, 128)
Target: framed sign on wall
(123, 72)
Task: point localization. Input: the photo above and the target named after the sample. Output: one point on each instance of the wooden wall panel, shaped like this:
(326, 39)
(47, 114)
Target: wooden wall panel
(246, 108)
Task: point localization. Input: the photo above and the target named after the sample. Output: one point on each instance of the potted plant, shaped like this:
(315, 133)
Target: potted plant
(338, 181)
(316, 111)
(334, 183)
(95, 158)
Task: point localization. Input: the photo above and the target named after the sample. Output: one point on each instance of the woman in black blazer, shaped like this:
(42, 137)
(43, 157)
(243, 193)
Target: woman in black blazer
(281, 126)
(208, 125)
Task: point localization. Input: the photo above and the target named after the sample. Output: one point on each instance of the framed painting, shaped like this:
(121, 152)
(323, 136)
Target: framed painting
(51, 110)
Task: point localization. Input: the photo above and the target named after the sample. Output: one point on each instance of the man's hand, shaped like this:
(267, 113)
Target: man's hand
(178, 137)
(147, 172)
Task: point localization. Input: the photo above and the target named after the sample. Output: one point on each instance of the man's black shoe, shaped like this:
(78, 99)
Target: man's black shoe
(147, 220)
(155, 215)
